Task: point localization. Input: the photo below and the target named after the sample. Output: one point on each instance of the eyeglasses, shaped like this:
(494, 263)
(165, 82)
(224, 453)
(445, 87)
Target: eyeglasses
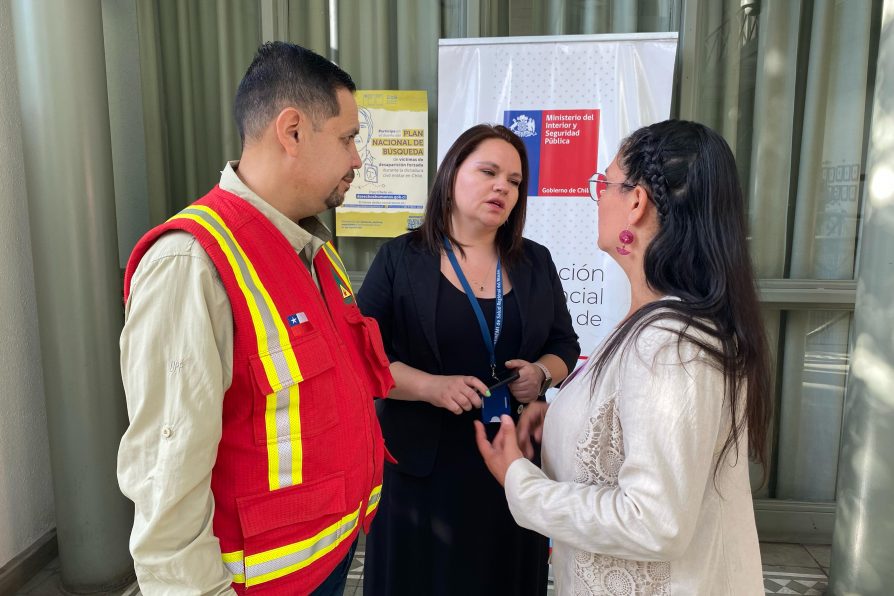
(599, 184)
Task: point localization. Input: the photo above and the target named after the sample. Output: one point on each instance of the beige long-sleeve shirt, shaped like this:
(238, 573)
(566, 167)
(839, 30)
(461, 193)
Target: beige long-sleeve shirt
(176, 364)
(627, 491)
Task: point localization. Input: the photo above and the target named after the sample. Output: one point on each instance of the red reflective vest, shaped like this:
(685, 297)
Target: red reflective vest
(299, 464)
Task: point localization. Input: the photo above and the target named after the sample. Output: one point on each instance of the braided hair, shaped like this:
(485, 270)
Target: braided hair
(699, 254)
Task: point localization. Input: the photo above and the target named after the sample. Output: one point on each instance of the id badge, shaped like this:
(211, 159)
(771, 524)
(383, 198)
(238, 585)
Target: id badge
(496, 405)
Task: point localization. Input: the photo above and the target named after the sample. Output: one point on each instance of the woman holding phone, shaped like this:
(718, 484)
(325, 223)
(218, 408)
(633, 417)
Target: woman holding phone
(462, 302)
(644, 486)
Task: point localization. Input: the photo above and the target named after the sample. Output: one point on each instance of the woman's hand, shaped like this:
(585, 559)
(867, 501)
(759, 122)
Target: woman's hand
(526, 388)
(500, 454)
(457, 393)
(530, 427)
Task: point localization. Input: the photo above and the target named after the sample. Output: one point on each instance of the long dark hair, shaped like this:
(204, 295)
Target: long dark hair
(436, 224)
(699, 254)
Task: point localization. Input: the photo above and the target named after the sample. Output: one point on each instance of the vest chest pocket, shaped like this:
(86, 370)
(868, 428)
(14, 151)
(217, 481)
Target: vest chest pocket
(369, 341)
(296, 392)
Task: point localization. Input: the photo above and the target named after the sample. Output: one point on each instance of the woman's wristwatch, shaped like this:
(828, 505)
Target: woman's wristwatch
(547, 378)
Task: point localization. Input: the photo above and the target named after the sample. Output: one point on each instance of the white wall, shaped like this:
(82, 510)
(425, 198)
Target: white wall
(26, 493)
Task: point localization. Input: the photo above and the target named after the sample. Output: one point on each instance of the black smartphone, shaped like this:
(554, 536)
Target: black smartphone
(503, 378)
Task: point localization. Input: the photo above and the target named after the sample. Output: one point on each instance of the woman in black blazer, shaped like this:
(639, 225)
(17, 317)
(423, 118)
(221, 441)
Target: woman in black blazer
(443, 526)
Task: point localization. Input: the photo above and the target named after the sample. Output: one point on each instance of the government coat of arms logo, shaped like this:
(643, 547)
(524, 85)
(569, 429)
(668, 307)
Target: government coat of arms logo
(524, 126)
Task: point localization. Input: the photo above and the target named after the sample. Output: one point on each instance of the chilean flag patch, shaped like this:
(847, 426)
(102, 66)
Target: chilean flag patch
(296, 319)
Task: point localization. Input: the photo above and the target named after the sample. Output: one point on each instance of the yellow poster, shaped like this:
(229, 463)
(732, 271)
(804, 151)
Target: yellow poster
(388, 194)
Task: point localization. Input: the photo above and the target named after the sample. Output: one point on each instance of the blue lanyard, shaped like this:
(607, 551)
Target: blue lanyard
(482, 324)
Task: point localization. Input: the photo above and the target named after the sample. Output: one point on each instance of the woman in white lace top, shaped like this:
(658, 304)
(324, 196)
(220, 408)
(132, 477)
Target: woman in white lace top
(644, 487)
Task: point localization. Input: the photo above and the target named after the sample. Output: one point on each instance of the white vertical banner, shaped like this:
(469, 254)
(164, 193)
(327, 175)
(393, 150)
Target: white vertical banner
(572, 99)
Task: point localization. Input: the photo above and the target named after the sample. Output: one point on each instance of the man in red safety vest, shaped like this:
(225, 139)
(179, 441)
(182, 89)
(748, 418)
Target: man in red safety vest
(253, 454)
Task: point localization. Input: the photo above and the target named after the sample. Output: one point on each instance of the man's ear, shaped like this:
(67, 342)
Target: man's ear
(640, 205)
(288, 129)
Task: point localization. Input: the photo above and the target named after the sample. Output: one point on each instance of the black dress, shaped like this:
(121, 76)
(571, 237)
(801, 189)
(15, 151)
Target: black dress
(450, 532)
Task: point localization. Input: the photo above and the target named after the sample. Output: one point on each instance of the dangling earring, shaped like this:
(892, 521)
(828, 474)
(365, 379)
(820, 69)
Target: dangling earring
(626, 237)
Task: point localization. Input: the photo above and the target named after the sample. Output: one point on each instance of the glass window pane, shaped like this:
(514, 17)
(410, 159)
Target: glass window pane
(832, 139)
(813, 375)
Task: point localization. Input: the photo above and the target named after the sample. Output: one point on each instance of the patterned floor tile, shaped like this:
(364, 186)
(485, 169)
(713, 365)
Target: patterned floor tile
(356, 571)
(776, 582)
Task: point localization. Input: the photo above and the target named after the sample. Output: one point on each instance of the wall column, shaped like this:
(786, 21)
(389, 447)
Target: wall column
(68, 163)
(864, 528)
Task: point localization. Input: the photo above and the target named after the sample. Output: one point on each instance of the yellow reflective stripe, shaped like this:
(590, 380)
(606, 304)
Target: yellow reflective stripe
(234, 260)
(374, 497)
(295, 425)
(279, 328)
(260, 329)
(272, 451)
(282, 419)
(278, 562)
(337, 264)
(235, 565)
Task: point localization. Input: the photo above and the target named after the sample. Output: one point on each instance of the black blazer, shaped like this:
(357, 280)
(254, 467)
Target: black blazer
(400, 292)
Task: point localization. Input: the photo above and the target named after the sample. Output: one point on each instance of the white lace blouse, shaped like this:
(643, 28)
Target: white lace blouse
(627, 491)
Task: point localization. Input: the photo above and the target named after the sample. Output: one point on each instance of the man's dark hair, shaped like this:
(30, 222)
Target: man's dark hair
(282, 75)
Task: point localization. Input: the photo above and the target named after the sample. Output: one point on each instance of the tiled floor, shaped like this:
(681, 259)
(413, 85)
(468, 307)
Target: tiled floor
(788, 569)
(795, 568)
